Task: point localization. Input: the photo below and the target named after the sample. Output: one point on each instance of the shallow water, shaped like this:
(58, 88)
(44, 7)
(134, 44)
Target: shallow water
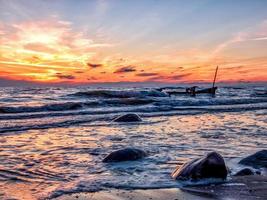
(52, 140)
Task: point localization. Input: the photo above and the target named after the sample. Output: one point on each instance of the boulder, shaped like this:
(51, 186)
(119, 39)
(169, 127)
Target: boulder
(126, 154)
(245, 172)
(131, 117)
(210, 166)
(257, 160)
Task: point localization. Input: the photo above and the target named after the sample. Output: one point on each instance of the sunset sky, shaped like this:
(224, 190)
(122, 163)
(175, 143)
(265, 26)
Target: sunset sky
(86, 41)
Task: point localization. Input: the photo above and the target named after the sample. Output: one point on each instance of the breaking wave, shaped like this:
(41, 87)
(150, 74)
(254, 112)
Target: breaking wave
(65, 107)
(120, 93)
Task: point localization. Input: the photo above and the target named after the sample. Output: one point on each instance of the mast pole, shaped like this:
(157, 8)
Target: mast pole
(215, 77)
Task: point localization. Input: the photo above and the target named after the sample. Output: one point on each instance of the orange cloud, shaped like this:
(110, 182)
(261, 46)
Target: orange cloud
(52, 51)
(50, 45)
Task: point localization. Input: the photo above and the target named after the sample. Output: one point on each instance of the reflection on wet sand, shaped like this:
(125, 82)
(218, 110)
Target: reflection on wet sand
(59, 160)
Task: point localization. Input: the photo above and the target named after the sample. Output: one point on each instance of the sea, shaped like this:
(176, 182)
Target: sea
(53, 139)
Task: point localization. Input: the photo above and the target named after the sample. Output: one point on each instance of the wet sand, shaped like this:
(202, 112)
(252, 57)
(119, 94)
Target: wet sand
(155, 194)
(245, 188)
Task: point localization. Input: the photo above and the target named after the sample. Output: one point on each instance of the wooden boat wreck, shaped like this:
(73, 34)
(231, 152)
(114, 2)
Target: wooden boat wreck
(193, 90)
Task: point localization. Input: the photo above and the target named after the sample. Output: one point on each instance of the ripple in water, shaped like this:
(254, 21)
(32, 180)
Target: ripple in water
(51, 153)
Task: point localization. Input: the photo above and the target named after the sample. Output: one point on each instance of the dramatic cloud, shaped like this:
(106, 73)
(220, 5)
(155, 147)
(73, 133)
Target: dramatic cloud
(235, 67)
(169, 78)
(125, 69)
(260, 38)
(156, 78)
(147, 74)
(62, 76)
(94, 65)
(257, 34)
(50, 45)
(39, 46)
(178, 77)
(92, 78)
(79, 72)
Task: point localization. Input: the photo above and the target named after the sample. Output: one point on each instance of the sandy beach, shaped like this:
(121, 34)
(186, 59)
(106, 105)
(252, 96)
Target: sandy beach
(245, 188)
(157, 194)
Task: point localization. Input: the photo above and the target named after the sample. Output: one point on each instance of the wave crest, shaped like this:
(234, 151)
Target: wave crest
(121, 93)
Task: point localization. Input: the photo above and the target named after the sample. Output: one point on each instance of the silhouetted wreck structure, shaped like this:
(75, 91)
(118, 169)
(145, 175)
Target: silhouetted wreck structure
(193, 90)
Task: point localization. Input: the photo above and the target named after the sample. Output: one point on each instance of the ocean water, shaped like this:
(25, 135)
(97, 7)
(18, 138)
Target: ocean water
(53, 139)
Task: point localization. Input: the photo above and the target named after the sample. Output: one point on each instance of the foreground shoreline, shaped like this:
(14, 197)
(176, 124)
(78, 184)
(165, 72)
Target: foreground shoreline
(244, 187)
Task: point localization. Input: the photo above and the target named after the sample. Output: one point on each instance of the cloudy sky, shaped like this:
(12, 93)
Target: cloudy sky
(86, 41)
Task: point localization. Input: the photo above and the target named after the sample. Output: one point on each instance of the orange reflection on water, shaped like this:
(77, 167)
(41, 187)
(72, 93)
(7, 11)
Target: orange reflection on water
(45, 160)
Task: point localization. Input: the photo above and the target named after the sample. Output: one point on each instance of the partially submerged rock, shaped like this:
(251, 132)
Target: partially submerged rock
(126, 154)
(252, 187)
(210, 166)
(245, 172)
(131, 117)
(256, 160)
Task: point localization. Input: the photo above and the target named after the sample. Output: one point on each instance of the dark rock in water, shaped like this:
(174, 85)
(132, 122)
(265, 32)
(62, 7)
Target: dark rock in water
(256, 160)
(210, 166)
(258, 172)
(128, 118)
(245, 172)
(126, 154)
